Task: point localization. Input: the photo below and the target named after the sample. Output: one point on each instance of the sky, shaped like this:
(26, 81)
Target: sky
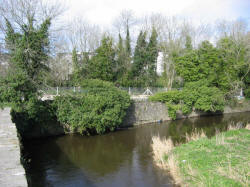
(103, 12)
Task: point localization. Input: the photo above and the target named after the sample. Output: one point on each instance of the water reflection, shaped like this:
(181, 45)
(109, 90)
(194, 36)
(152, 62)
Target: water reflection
(121, 158)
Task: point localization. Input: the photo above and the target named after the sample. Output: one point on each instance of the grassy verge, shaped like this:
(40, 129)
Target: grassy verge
(223, 160)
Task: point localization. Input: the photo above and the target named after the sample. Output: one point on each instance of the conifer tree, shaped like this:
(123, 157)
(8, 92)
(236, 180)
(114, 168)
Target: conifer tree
(188, 43)
(121, 58)
(140, 59)
(102, 65)
(76, 66)
(152, 54)
(128, 46)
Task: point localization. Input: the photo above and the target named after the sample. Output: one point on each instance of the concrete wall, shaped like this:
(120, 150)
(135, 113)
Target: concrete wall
(12, 173)
(144, 111)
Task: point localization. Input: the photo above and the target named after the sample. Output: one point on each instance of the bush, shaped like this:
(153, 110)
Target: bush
(98, 110)
(247, 92)
(194, 94)
(36, 114)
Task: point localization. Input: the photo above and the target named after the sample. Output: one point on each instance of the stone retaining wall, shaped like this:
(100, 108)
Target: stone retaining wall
(143, 111)
(12, 173)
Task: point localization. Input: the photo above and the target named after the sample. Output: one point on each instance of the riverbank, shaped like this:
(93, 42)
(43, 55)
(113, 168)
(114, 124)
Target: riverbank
(11, 171)
(143, 111)
(223, 160)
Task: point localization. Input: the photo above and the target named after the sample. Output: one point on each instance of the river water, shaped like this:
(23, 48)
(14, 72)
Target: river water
(120, 159)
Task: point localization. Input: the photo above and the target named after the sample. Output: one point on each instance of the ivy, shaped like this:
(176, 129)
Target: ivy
(99, 109)
(197, 95)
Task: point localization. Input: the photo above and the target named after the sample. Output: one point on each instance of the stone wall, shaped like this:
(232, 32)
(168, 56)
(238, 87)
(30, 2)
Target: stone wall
(11, 171)
(143, 111)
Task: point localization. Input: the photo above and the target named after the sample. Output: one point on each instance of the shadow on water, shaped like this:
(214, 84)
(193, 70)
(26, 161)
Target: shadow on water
(122, 158)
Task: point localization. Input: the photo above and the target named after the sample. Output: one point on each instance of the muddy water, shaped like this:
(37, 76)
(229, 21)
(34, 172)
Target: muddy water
(119, 159)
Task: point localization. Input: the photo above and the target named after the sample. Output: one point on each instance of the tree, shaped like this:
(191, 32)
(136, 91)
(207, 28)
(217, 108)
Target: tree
(102, 65)
(76, 67)
(201, 64)
(139, 60)
(188, 44)
(127, 45)
(152, 54)
(29, 49)
(121, 59)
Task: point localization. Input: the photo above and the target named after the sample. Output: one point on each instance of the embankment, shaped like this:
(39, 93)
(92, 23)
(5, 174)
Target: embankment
(143, 111)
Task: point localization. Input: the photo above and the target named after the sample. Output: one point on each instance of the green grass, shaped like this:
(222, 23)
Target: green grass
(223, 160)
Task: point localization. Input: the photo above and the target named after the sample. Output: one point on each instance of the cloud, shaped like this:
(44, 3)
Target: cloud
(103, 12)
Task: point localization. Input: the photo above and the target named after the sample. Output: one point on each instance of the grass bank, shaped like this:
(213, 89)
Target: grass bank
(223, 160)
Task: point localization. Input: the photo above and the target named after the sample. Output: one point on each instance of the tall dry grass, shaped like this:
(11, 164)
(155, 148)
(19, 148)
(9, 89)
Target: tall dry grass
(247, 126)
(164, 158)
(161, 147)
(220, 139)
(195, 135)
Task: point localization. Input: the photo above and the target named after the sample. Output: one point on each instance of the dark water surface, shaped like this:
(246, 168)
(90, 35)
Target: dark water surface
(119, 159)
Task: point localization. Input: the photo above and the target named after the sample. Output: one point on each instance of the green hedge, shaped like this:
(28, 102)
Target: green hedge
(98, 110)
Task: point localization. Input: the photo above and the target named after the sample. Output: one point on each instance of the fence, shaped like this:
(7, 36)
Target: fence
(133, 91)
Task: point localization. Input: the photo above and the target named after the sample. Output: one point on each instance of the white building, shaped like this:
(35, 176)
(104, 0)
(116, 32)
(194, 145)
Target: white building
(160, 64)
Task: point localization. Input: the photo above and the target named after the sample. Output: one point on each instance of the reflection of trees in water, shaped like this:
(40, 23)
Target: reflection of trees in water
(99, 154)
(48, 166)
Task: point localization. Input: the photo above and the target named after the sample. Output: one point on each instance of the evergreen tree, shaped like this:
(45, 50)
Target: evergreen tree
(152, 54)
(76, 67)
(140, 60)
(188, 43)
(127, 45)
(28, 50)
(102, 65)
(121, 58)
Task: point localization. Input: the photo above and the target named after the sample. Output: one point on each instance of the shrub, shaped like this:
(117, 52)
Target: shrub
(247, 92)
(194, 94)
(98, 110)
(36, 114)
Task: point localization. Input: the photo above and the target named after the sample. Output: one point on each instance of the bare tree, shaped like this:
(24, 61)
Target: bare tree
(83, 35)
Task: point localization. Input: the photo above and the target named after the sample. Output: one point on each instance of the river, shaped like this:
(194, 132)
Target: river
(120, 159)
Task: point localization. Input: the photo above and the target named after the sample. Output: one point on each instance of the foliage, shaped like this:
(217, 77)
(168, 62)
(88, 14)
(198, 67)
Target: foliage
(208, 63)
(196, 95)
(36, 114)
(76, 67)
(29, 48)
(247, 93)
(152, 54)
(139, 60)
(172, 110)
(127, 43)
(122, 58)
(98, 110)
(102, 65)
(17, 89)
(188, 44)
(172, 96)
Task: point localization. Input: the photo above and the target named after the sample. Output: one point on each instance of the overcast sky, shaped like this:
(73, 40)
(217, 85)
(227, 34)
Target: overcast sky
(103, 12)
